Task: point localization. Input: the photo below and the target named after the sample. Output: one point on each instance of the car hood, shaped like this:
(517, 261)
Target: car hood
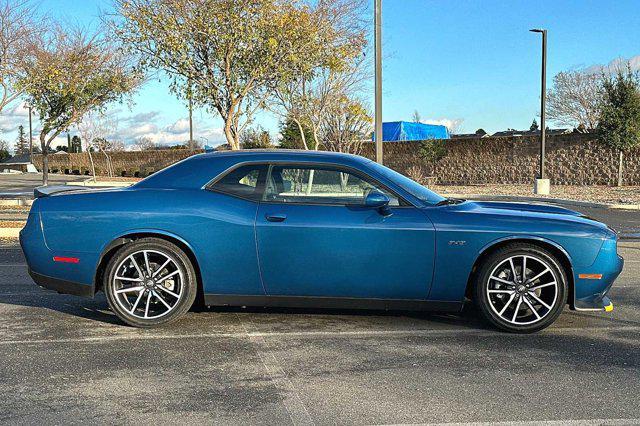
(527, 208)
(537, 216)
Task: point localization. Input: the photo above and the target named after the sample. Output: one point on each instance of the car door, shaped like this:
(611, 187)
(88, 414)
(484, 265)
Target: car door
(315, 237)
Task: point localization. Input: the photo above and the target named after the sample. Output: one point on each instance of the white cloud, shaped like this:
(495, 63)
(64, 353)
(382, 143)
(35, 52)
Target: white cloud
(179, 126)
(453, 124)
(172, 134)
(10, 119)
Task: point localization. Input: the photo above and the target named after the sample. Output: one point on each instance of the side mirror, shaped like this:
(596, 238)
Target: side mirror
(378, 200)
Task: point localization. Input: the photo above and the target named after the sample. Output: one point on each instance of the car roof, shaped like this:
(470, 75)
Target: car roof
(286, 154)
(198, 170)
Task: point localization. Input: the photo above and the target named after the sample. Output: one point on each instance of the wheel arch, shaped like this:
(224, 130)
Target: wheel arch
(557, 250)
(116, 243)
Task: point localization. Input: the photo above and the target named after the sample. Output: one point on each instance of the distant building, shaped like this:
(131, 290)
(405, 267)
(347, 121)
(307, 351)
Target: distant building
(21, 162)
(513, 132)
(480, 133)
(409, 131)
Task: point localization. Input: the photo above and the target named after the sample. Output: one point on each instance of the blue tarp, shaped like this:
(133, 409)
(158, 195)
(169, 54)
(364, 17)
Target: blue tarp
(409, 131)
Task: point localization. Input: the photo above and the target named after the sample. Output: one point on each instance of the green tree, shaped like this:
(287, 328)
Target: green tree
(619, 125)
(290, 137)
(76, 144)
(534, 126)
(4, 149)
(227, 54)
(22, 145)
(71, 74)
(256, 138)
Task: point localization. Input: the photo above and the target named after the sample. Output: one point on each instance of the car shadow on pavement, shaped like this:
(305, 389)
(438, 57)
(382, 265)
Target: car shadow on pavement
(303, 319)
(97, 309)
(93, 309)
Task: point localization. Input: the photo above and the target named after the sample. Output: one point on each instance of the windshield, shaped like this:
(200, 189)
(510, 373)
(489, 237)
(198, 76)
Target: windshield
(411, 186)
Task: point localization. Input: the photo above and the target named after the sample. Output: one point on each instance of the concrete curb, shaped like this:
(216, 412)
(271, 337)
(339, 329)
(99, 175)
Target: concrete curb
(16, 202)
(111, 184)
(481, 197)
(10, 233)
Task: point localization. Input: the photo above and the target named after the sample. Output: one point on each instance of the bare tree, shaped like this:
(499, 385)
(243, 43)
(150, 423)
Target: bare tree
(93, 129)
(416, 116)
(18, 28)
(575, 99)
(347, 127)
(116, 146)
(144, 143)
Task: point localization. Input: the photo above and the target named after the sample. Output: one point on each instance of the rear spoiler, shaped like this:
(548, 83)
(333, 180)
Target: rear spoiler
(45, 191)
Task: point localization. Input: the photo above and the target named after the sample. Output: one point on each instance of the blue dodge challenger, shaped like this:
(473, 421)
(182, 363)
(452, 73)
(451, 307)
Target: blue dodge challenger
(313, 229)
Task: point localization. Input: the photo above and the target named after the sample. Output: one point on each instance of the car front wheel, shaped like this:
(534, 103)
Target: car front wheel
(150, 282)
(521, 288)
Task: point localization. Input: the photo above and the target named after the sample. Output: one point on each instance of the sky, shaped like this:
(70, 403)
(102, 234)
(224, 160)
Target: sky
(454, 61)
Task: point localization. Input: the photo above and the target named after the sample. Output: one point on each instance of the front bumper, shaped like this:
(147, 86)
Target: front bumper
(593, 283)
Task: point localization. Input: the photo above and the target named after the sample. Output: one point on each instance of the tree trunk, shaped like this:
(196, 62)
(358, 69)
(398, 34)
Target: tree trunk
(93, 167)
(45, 159)
(310, 182)
(620, 169)
(108, 161)
(302, 135)
(231, 139)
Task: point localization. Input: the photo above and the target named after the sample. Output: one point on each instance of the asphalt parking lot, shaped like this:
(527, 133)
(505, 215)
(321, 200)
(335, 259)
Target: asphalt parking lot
(69, 360)
(22, 185)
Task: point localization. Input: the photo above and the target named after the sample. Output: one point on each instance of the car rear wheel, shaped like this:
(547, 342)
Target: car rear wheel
(521, 288)
(150, 282)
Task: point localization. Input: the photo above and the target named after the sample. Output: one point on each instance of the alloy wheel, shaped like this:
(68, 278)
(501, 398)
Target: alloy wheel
(148, 284)
(522, 289)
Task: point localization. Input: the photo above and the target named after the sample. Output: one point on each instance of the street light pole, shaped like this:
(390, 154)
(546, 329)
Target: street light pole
(190, 119)
(378, 80)
(542, 184)
(30, 137)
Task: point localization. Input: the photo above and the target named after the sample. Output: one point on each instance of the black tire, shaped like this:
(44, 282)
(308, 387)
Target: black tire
(186, 280)
(490, 304)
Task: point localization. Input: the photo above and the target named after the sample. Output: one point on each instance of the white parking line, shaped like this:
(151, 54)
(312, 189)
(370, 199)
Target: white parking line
(586, 422)
(292, 402)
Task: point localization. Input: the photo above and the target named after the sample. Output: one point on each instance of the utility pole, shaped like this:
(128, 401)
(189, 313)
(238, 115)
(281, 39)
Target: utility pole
(190, 124)
(542, 185)
(30, 137)
(378, 80)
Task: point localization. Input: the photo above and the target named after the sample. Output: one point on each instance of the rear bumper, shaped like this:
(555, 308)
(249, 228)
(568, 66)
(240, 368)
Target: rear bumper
(61, 286)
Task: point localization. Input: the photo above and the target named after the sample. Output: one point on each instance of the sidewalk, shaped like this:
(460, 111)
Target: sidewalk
(611, 195)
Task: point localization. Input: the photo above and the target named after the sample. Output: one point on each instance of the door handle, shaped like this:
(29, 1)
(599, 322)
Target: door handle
(277, 217)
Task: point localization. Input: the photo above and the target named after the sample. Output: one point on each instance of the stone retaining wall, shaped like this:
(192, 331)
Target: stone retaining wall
(573, 159)
(125, 163)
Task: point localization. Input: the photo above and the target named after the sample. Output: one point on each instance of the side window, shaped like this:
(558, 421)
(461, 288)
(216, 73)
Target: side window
(319, 185)
(245, 182)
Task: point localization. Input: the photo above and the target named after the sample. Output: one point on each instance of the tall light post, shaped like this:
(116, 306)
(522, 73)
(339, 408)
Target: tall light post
(190, 119)
(542, 184)
(30, 137)
(378, 79)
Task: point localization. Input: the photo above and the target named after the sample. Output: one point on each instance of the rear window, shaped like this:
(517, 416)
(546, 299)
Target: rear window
(244, 182)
